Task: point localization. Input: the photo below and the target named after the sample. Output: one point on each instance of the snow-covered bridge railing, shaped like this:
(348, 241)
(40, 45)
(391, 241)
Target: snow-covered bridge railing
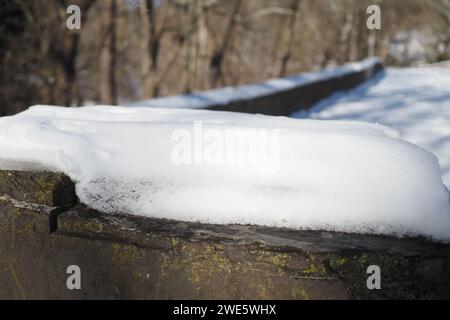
(113, 227)
(279, 97)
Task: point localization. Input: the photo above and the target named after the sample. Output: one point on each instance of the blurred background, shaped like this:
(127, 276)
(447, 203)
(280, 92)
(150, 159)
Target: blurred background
(130, 50)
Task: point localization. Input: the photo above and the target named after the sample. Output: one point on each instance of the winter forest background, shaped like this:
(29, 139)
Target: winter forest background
(131, 50)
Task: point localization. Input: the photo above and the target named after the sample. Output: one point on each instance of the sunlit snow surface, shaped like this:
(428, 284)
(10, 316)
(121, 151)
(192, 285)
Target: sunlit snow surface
(332, 175)
(415, 102)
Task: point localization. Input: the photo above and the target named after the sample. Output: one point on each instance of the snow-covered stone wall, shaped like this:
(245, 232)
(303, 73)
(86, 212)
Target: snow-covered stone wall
(43, 231)
(279, 97)
(44, 228)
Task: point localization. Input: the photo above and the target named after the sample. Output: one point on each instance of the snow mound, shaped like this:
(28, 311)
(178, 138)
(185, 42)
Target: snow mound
(308, 174)
(413, 101)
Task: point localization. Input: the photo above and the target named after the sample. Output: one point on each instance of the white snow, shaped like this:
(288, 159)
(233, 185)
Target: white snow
(414, 101)
(225, 95)
(331, 175)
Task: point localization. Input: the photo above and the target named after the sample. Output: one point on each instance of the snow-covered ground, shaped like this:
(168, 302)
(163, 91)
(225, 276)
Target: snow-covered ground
(193, 165)
(413, 101)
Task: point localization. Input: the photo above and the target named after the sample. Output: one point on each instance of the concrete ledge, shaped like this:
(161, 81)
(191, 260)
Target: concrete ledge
(130, 257)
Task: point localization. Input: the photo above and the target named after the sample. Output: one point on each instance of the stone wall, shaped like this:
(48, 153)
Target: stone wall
(43, 230)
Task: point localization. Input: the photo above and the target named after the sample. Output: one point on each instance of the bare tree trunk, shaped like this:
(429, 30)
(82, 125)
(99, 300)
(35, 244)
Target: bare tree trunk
(154, 37)
(191, 46)
(372, 39)
(203, 49)
(153, 46)
(145, 65)
(295, 5)
(105, 54)
(371, 43)
(219, 55)
(70, 72)
(361, 43)
(113, 53)
(346, 32)
(66, 52)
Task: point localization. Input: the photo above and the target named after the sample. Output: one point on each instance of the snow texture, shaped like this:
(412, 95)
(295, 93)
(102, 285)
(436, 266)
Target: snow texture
(413, 101)
(332, 175)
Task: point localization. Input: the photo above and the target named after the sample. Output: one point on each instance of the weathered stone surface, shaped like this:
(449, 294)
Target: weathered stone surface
(27, 217)
(130, 257)
(253, 262)
(143, 231)
(45, 188)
